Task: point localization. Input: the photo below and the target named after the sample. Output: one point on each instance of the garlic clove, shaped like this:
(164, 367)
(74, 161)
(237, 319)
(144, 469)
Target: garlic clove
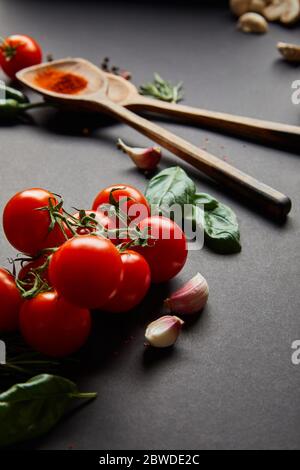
(163, 332)
(144, 158)
(190, 298)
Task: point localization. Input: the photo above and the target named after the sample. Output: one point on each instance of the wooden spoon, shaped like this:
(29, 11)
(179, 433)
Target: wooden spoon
(96, 97)
(125, 93)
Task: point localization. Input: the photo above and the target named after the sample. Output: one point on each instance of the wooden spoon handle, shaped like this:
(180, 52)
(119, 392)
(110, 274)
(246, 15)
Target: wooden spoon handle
(271, 201)
(255, 129)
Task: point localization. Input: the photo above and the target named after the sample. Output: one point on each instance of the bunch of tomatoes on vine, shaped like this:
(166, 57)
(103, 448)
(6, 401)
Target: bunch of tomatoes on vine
(102, 259)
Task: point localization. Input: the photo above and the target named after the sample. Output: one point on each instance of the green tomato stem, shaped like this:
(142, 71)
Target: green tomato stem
(87, 395)
(39, 104)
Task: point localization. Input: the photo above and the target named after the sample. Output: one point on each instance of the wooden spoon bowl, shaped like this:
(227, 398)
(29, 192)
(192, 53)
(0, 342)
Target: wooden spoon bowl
(97, 81)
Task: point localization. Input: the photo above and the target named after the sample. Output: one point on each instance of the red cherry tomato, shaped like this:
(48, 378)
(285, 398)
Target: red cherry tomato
(137, 206)
(17, 52)
(167, 252)
(134, 285)
(25, 274)
(86, 270)
(11, 302)
(26, 228)
(53, 326)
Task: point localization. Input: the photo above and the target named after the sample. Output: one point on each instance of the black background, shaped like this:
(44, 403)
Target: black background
(229, 383)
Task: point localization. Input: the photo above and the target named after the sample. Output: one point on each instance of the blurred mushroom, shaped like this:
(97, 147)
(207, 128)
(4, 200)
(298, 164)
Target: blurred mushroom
(290, 52)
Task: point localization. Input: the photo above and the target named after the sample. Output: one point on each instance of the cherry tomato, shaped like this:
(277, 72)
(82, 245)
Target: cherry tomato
(26, 276)
(137, 206)
(53, 326)
(11, 302)
(26, 228)
(167, 252)
(17, 52)
(86, 270)
(134, 285)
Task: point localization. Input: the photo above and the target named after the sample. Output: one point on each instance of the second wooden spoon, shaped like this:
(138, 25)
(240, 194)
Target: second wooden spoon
(125, 93)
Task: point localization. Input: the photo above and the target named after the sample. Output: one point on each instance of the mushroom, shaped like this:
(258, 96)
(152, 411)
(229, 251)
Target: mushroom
(258, 6)
(239, 7)
(291, 13)
(274, 11)
(290, 52)
(285, 11)
(252, 23)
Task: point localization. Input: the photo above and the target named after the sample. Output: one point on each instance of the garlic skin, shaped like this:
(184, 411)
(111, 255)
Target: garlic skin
(190, 298)
(145, 159)
(163, 332)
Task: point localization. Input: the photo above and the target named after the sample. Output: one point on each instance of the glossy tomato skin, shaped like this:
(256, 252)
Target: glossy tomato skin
(167, 252)
(53, 326)
(134, 285)
(11, 302)
(137, 207)
(25, 227)
(17, 52)
(86, 270)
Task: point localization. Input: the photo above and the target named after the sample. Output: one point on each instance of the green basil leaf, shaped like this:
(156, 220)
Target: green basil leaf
(205, 200)
(173, 186)
(169, 187)
(221, 230)
(30, 409)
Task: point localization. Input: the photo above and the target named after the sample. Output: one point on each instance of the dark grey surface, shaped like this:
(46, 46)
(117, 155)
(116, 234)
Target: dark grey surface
(229, 383)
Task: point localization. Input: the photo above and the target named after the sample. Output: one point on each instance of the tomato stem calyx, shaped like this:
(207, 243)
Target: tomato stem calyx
(7, 49)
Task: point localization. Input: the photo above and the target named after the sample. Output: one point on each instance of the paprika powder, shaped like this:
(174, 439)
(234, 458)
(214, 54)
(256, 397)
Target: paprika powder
(61, 82)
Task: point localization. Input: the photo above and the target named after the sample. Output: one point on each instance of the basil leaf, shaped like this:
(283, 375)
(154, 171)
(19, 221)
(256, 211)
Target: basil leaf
(205, 200)
(222, 230)
(30, 409)
(173, 186)
(169, 187)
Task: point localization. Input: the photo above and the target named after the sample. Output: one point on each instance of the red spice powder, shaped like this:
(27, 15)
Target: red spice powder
(60, 82)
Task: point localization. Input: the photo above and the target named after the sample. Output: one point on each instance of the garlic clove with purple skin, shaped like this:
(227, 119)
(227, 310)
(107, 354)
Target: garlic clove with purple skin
(145, 159)
(163, 332)
(190, 298)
